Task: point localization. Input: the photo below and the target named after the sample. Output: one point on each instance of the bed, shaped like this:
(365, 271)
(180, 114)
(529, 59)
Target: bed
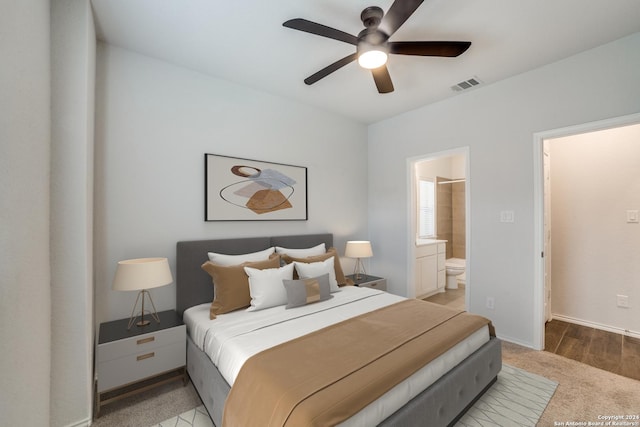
(442, 401)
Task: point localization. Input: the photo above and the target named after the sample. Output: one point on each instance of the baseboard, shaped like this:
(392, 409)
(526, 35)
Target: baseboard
(83, 423)
(596, 325)
(516, 341)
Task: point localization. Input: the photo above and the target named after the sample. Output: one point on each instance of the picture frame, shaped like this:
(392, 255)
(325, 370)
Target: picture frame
(238, 189)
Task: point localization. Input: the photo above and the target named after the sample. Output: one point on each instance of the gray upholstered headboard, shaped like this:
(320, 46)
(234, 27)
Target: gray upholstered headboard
(193, 284)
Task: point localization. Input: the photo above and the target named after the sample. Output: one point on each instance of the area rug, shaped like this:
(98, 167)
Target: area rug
(518, 398)
(198, 417)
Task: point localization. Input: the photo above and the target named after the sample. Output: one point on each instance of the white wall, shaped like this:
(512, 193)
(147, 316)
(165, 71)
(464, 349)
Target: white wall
(432, 168)
(25, 298)
(458, 166)
(499, 123)
(595, 179)
(155, 121)
(72, 93)
(451, 166)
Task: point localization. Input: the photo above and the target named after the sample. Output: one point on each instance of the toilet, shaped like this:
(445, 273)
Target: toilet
(455, 269)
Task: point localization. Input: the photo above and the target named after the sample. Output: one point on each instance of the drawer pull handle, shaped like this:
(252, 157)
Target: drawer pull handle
(145, 356)
(146, 340)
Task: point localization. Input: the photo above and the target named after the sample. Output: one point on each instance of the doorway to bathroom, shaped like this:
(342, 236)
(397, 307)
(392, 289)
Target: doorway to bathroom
(438, 238)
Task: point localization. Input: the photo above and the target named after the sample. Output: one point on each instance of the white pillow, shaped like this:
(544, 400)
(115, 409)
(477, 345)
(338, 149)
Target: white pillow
(315, 269)
(302, 253)
(227, 260)
(266, 287)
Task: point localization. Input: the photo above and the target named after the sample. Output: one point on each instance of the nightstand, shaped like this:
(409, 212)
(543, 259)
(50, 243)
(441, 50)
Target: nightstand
(132, 361)
(367, 281)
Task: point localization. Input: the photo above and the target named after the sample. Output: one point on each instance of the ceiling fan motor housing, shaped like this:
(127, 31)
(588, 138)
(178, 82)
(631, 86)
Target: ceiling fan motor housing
(371, 16)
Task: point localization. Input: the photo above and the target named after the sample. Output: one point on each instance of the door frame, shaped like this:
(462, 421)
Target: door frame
(538, 207)
(412, 217)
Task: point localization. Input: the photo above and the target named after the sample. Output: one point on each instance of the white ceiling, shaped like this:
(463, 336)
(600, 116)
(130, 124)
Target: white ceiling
(244, 42)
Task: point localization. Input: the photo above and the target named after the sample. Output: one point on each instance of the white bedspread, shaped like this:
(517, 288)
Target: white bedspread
(230, 339)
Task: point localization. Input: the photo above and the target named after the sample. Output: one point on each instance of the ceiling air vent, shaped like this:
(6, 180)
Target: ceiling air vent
(467, 84)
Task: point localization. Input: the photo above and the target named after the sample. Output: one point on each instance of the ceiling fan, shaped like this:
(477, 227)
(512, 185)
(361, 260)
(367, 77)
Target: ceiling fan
(373, 45)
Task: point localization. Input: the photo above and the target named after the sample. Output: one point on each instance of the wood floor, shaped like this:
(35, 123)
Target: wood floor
(453, 298)
(605, 350)
(601, 349)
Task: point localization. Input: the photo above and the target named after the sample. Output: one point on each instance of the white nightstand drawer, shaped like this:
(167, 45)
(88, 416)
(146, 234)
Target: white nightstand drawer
(141, 343)
(380, 285)
(133, 367)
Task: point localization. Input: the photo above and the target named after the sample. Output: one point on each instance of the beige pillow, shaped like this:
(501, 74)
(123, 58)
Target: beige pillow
(331, 252)
(231, 284)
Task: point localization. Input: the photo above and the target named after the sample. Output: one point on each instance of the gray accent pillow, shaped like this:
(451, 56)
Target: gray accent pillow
(306, 291)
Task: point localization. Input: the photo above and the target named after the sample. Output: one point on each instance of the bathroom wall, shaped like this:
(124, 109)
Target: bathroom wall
(450, 200)
(451, 216)
(458, 218)
(444, 209)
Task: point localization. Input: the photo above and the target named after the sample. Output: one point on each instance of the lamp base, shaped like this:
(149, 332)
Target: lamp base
(143, 322)
(359, 272)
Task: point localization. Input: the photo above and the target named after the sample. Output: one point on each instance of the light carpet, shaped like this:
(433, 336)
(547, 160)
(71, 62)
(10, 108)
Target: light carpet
(518, 398)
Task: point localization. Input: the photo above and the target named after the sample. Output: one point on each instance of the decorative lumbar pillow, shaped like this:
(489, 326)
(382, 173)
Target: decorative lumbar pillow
(224, 259)
(331, 253)
(306, 291)
(302, 253)
(231, 284)
(315, 269)
(265, 286)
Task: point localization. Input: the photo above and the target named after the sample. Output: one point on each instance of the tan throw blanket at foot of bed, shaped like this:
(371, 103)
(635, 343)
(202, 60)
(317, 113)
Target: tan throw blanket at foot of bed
(325, 377)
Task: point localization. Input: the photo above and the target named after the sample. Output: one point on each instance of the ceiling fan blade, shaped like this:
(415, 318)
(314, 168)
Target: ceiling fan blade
(438, 48)
(397, 14)
(330, 69)
(320, 30)
(383, 79)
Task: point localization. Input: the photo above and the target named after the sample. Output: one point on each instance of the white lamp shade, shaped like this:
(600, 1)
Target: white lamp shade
(358, 249)
(142, 273)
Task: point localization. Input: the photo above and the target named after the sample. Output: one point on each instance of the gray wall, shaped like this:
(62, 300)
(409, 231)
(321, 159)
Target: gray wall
(73, 52)
(155, 121)
(499, 123)
(25, 296)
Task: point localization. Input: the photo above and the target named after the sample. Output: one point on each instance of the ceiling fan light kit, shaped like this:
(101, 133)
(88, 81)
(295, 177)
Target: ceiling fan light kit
(371, 57)
(373, 45)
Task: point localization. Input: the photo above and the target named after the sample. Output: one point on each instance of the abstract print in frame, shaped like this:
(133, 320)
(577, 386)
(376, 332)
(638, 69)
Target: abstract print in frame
(252, 190)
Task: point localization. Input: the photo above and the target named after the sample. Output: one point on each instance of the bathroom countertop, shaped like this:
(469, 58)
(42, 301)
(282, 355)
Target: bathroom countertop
(423, 242)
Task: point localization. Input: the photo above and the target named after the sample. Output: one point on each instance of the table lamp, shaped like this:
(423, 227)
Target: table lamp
(358, 249)
(140, 275)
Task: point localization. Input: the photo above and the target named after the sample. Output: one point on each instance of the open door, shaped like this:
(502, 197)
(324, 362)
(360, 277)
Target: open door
(547, 231)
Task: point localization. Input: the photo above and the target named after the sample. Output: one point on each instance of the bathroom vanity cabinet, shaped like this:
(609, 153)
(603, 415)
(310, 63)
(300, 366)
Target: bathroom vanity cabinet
(430, 269)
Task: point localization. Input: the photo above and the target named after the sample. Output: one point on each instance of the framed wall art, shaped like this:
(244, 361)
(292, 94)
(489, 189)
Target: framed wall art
(252, 190)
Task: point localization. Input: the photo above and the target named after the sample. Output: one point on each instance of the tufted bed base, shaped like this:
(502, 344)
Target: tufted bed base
(442, 404)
